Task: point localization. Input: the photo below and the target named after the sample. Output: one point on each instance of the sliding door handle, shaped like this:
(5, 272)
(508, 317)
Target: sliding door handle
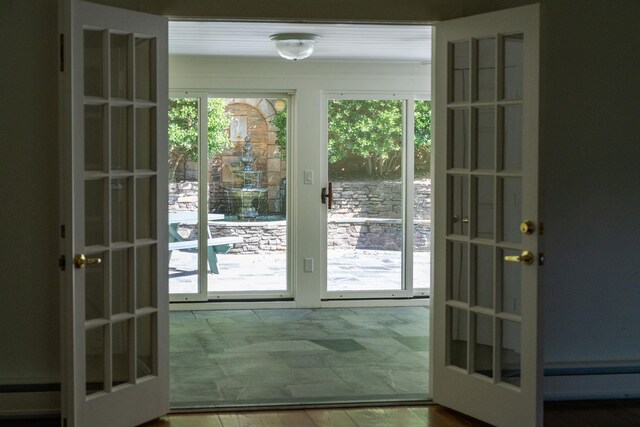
(326, 196)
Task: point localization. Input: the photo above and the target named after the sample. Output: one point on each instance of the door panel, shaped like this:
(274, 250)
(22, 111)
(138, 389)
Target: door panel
(486, 278)
(367, 159)
(113, 128)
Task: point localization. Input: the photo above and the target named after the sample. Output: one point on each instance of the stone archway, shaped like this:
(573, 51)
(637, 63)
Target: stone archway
(252, 117)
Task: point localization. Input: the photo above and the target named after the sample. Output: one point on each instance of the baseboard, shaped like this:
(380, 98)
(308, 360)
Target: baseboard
(31, 404)
(592, 386)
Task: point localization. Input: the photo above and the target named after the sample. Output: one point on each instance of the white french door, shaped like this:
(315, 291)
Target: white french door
(486, 337)
(113, 108)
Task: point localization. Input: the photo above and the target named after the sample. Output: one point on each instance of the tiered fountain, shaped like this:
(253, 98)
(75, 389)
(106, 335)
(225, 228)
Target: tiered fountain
(251, 196)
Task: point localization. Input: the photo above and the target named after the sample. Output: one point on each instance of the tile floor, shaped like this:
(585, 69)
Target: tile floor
(228, 358)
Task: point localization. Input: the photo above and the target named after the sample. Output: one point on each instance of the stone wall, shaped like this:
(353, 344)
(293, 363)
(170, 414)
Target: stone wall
(257, 237)
(378, 199)
(358, 221)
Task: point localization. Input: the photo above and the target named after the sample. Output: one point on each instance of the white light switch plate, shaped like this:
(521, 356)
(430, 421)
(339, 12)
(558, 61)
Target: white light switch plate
(308, 177)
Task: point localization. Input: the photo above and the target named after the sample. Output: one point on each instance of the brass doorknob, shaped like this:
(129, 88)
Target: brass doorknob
(525, 257)
(527, 227)
(80, 261)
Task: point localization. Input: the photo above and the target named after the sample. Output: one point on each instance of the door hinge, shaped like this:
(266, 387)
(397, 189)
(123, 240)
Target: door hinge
(63, 231)
(62, 262)
(541, 258)
(62, 52)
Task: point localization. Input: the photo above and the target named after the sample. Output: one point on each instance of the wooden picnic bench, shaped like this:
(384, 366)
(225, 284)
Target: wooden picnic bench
(215, 245)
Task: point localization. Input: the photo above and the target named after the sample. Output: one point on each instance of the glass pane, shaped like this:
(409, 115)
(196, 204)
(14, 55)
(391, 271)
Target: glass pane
(485, 138)
(483, 276)
(145, 208)
(120, 66)
(145, 138)
(422, 196)
(364, 230)
(510, 353)
(94, 205)
(510, 287)
(511, 209)
(121, 275)
(94, 276)
(486, 90)
(121, 353)
(145, 274)
(120, 208)
(458, 280)
(457, 337)
(247, 195)
(459, 205)
(94, 126)
(512, 134)
(483, 345)
(95, 381)
(120, 141)
(183, 193)
(93, 63)
(144, 346)
(485, 207)
(144, 69)
(459, 138)
(513, 60)
(460, 78)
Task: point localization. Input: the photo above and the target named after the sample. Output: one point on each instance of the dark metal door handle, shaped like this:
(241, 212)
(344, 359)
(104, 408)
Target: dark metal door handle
(326, 197)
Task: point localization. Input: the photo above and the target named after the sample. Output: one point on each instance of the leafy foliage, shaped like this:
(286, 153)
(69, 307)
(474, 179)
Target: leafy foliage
(184, 128)
(279, 120)
(365, 136)
(371, 130)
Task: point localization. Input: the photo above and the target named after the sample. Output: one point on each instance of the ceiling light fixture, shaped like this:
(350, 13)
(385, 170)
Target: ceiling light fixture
(295, 46)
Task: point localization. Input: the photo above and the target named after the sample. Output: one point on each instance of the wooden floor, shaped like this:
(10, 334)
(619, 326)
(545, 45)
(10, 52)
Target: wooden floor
(432, 415)
(610, 413)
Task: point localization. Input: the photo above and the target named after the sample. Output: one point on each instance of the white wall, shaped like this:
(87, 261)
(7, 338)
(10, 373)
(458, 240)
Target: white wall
(308, 80)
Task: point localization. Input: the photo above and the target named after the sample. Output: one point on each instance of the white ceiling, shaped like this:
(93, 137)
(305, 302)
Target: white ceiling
(337, 42)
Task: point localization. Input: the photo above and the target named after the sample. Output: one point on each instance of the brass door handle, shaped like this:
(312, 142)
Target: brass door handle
(527, 227)
(525, 257)
(80, 261)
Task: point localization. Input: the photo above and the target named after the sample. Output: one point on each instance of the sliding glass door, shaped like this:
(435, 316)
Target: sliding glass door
(228, 198)
(377, 223)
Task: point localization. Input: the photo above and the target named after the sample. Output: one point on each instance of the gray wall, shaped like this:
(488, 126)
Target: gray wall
(590, 88)
(590, 152)
(29, 286)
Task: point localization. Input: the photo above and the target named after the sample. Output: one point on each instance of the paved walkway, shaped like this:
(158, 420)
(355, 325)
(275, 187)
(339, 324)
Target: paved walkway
(348, 270)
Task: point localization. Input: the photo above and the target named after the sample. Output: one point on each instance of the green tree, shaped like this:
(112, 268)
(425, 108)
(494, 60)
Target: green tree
(422, 137)
(365, 136)
(279, 121)
(183, 129)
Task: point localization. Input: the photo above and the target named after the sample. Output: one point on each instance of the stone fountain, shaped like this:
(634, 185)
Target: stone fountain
(250, 196)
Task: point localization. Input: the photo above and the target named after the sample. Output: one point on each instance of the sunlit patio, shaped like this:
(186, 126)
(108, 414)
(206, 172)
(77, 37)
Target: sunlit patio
(354, 270)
